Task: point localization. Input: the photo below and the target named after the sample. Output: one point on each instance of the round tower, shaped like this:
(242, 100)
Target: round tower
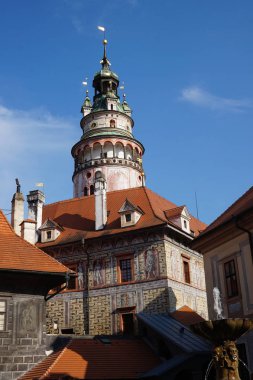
(107, 144)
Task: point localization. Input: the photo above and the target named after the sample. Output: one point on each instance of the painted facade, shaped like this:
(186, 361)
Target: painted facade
(157, 284)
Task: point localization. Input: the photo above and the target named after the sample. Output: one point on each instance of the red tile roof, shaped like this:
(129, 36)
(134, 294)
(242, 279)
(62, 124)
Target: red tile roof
(18, 254)
(92, 359)
(244, 203)
(77, 215)
(187, 316)
(174, 212)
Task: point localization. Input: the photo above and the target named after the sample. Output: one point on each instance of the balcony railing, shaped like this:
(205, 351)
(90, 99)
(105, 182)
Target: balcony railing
(109, 161)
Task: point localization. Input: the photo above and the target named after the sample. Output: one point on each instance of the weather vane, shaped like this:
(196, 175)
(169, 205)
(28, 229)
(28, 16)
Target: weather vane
(102, 28)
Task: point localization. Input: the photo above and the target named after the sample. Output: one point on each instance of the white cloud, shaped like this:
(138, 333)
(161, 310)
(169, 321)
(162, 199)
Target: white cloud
(33, 145)
(199, 97)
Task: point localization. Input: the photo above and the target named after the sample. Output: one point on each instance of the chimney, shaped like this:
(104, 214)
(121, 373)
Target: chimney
(35, 200)
(28, 230)
(100, 201)
(17, 209)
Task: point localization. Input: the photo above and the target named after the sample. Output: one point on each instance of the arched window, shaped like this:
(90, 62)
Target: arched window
(129, 152)
(112, 123)
(119, 150)
(85, 191)
(87, 154)
(96, 153)
(91, 189)
(108, 149)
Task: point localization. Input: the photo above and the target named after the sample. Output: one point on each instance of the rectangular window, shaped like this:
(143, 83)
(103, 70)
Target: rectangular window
(49, 234)
(125, 266)
(186, 267)
(2, 315)
(231, 279)
(128, 217)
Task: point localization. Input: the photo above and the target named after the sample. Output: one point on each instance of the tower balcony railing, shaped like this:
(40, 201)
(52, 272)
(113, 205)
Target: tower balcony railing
(136, 164)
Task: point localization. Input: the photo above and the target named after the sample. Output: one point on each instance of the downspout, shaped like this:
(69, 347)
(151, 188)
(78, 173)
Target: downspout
(249, 235)
(87, 286)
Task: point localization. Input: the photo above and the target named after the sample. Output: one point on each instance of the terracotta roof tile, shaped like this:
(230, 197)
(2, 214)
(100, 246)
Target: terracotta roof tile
(92, 359)
(187, 316)
(174, 212)
(77, 215)
(18, 254)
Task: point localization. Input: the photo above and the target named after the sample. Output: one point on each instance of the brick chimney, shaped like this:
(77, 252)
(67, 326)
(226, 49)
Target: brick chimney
(100, 201)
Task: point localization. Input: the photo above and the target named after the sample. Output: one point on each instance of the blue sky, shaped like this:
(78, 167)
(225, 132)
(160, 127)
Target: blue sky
(188, 72)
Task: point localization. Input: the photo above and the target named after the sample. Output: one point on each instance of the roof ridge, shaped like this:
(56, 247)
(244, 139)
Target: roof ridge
(150, 203)
(227, 209)
(56, 360)
(75, 199)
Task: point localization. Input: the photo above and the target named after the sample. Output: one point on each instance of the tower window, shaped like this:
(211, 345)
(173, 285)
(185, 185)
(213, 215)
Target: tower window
(112, 123)
(49, 234)
(91, 190)
(85, 192)
(111, 106)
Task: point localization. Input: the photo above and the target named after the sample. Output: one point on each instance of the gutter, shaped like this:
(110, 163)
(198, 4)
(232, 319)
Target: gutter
(236, 219)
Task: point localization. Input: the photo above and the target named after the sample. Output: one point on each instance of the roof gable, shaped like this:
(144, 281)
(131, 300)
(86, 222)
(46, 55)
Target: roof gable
(50, 224)
(128, 207)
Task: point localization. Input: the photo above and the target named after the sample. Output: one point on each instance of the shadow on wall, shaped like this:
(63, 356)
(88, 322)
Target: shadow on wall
(159, 301)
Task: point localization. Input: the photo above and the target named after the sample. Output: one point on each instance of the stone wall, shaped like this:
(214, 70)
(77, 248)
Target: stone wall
(22, 343)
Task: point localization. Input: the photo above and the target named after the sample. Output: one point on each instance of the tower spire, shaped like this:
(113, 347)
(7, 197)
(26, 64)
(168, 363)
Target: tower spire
(105, 62)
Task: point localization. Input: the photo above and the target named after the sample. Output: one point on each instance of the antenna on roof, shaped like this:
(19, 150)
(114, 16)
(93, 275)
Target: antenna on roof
(196, 202)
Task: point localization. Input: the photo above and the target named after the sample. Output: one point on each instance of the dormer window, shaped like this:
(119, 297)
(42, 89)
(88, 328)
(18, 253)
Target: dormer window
(130, 214)
(128, 217)
(50, 230)
(180, 217)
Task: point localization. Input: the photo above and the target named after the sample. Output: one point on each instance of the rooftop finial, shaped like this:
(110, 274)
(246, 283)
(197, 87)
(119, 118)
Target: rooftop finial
(105, 62)
(18, 185)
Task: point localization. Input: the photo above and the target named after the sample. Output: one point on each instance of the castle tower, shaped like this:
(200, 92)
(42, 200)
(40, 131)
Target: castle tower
(107, 144)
